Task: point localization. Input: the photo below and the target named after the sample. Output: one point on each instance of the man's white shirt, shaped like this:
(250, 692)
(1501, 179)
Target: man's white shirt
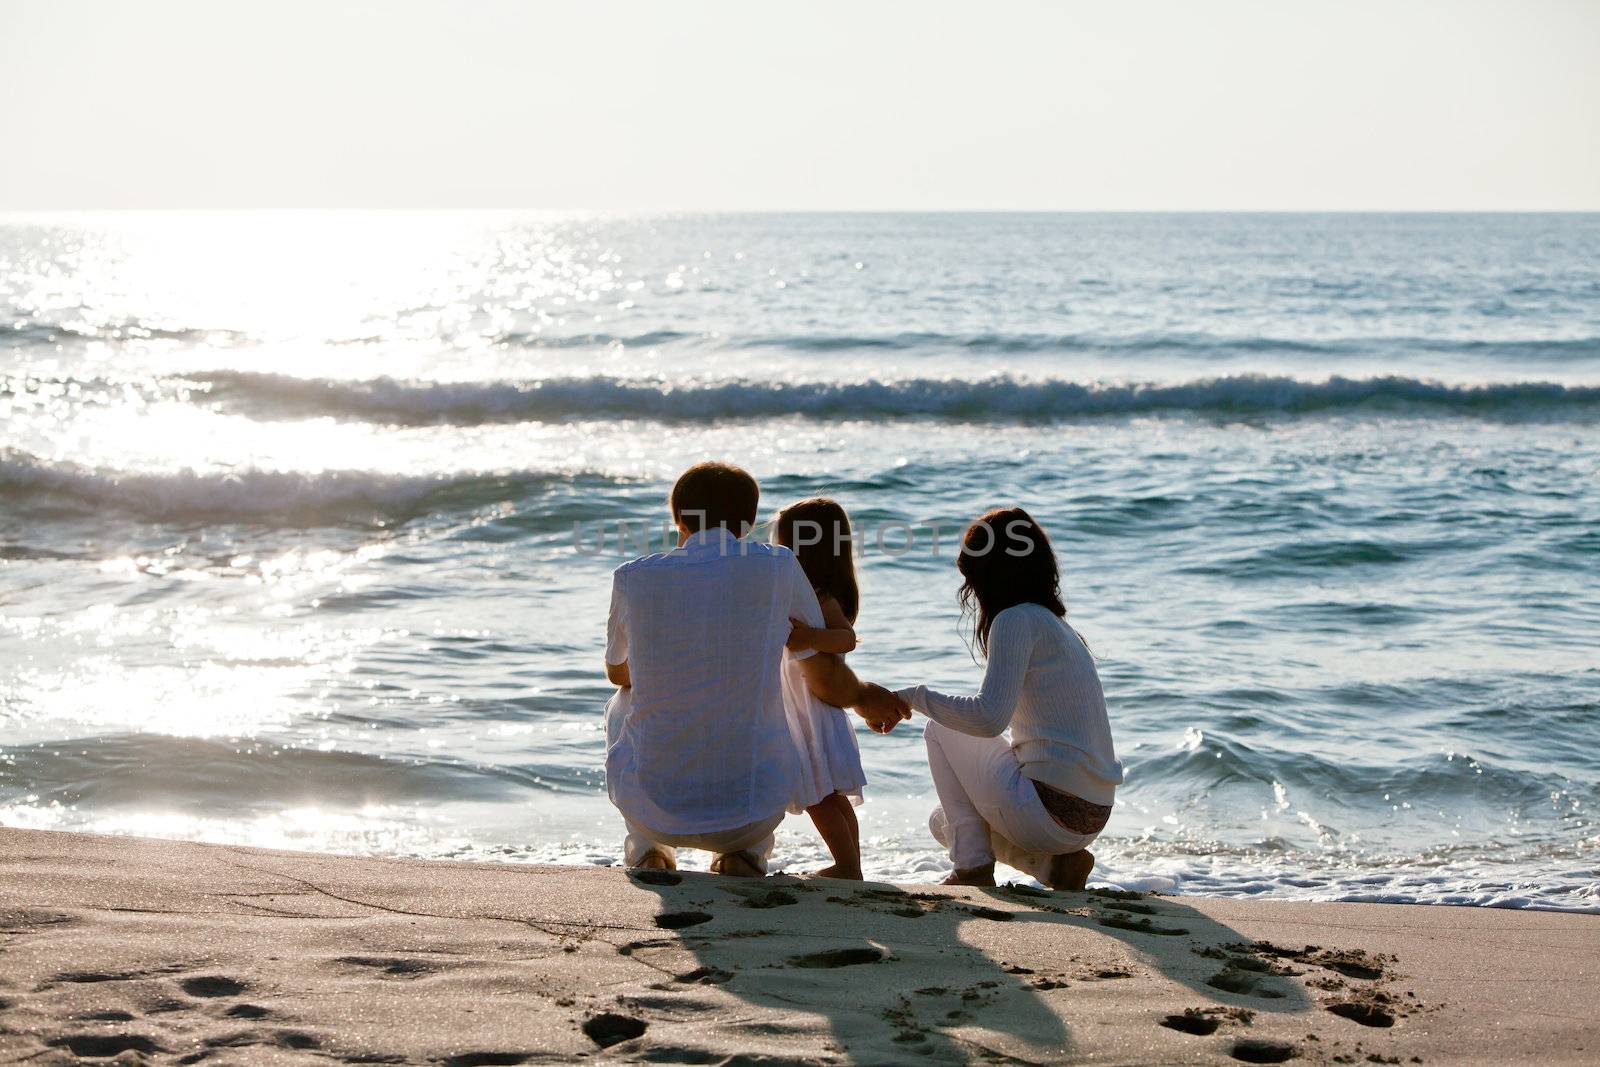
(702, 742)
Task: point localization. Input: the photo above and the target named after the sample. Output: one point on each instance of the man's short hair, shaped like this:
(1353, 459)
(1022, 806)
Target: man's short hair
(708, 495)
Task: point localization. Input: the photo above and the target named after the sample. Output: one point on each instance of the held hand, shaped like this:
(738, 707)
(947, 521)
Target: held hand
(800, 635)
(882, 709)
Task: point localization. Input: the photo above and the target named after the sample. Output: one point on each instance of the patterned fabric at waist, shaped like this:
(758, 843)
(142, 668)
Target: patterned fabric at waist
(1071, 812)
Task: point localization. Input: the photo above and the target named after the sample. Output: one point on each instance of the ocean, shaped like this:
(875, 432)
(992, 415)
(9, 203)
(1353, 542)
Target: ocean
(306, 519)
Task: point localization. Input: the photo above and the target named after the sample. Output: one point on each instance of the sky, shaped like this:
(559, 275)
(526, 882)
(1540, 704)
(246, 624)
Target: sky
(1143, 105)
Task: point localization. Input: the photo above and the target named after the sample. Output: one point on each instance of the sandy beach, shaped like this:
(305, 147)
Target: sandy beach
(140, 950)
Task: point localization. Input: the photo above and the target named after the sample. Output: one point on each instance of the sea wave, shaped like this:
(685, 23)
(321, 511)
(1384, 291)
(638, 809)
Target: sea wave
(1001, 397)
(1192, 342)
(160, 770)
(25, 332)
(331, 497)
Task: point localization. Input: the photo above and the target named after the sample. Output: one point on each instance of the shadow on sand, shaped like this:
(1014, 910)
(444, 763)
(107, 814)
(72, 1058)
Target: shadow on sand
(895, 974)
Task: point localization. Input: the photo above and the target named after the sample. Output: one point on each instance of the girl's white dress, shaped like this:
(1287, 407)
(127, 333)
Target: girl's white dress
(830, 758)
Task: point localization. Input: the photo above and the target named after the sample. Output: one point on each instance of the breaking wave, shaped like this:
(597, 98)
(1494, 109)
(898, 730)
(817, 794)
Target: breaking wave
(421, 402)
(249, 495)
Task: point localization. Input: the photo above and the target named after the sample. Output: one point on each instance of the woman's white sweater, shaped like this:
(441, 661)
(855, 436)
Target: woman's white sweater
(1040, 682)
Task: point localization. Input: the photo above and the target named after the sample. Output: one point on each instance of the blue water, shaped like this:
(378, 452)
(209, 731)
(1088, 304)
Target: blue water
(306, 519)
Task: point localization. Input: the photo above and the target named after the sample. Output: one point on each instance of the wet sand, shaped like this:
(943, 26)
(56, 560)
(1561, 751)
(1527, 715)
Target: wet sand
(140, 951)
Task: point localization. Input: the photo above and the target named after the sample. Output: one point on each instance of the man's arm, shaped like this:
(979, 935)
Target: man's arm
(832, 682)
(617, 672)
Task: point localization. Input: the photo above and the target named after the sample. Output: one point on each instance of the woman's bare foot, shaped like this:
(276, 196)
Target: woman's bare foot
(655, 861)
(972, 876)
(849, 874)
(737, 865)
(1070, 870)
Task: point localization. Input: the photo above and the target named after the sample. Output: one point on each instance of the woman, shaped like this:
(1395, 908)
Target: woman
(1040, 798)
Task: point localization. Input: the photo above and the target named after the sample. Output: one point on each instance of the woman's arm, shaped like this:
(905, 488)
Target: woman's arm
(987, 714)
(836, 635)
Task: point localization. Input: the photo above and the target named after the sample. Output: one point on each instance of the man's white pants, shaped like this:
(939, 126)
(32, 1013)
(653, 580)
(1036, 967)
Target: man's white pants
(755, 839)
(988, 808)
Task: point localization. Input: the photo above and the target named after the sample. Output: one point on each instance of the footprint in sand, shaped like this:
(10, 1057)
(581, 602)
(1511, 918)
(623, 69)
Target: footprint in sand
(485, 1059)
(295, 1039)
(1352, 963)
(1026, 891)
(839, 957)
(212, 985)
(1367, 1012)
(1192, 1022)
(247, 1011)
(1130, 906)
(104, 1046)
(898, 903)
(1204, 1021)
(609, 1028)
(678, 920)
(1115, 894)
(772, 898)
(1141, 925)
(1232, 979)
(1100, 974)
(89, 977)
(1261, 1050)
(15, 922)
(704, 976)
(394, 966)
(649, 877)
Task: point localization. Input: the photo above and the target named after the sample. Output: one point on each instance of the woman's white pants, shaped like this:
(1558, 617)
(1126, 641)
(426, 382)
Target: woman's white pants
(988, 809)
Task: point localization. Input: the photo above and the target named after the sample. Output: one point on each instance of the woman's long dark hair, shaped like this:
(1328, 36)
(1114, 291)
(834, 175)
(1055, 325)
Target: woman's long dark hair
(817, 531)
(1006, 560)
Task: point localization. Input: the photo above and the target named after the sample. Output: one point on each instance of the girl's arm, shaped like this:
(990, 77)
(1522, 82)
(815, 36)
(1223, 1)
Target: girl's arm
(836, 635)
(987, 714)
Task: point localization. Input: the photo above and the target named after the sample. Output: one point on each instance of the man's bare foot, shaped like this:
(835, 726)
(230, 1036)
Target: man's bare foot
(972, 876)
(1070, 870)
(738, 865)
(849, 874)
(655, 861)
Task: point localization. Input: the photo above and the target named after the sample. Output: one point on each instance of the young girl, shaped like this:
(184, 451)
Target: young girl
(817, 531)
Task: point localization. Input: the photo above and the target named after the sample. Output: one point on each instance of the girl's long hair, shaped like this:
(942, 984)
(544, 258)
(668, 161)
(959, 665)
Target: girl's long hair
(1006, 560)
(817, 531)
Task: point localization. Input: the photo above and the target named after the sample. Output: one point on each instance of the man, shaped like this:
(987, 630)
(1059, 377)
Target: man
(699, 751)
